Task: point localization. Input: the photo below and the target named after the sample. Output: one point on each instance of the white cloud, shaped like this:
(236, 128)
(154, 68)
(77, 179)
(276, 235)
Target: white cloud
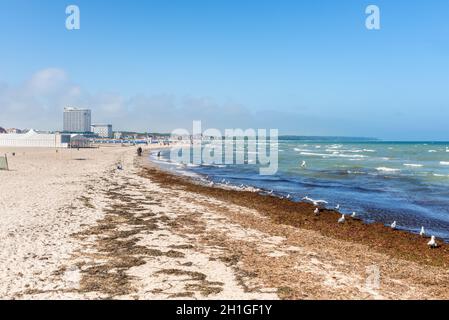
(48, 81)
(39, 101)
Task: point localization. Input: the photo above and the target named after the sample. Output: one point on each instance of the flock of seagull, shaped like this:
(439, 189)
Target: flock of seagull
(321, 203)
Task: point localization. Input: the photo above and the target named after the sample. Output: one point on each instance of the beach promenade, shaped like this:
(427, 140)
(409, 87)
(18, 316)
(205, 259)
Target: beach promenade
(74, 226)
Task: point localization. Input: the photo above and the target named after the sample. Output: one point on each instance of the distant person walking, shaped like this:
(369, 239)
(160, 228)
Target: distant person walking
(139, 151)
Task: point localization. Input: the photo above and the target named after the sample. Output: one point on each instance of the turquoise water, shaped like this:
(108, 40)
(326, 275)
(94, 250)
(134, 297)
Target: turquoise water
(407, 182)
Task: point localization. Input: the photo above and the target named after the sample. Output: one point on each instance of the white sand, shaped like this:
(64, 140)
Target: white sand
(35, 217)
(40, 210)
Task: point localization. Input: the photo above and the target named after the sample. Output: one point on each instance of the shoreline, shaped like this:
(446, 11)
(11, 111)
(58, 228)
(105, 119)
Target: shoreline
(401, 243)
(90, 231)
(338, 255)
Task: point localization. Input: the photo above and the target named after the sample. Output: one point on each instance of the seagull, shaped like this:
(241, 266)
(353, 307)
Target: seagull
(317, 212)
(393, 225)
(423, 232)
(342, 219)
(271, 192)
(303, 164)
(288, 196)
(337, 207)
(432, 243)
(354, 214)
(119, 166)
(211, 184)
(316, 203)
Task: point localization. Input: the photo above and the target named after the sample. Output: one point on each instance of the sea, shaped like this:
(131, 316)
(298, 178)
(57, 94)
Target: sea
(382, 181)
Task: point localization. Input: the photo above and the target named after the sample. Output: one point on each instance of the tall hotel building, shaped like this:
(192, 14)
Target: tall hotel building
(77, 120)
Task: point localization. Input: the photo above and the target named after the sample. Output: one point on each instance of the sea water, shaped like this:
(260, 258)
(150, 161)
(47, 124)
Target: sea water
(407, 182)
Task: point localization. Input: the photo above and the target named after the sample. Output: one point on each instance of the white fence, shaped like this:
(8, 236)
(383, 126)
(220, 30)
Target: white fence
(34, 139)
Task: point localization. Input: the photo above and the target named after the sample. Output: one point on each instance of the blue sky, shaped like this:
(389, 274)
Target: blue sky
(305, 67)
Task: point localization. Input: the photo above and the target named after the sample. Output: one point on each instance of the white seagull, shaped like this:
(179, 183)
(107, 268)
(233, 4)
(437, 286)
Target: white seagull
(354, 214)
(342, 219)
(316, 203)
(423, 232)
(288, 196)
(432, 243)
(317, 212)
(393, 225)
(337, 207)
(303, 164)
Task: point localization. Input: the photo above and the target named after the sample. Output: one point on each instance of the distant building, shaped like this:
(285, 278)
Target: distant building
(118, 135)
(102, 130)
(13, 130)
(77, 120)
(35, 139)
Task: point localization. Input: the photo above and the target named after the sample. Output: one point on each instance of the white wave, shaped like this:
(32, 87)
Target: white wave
(313, 154)
(439, 175)
(355, 172)
(413, 165)
(335, 146)
(444, 163)
(355, 150)
(214, 165)
(352, 156)
(188, 173)
(327, 155)
(432, 151)
(386, 169)
(368, 150)
(302, 150)
(192, 165)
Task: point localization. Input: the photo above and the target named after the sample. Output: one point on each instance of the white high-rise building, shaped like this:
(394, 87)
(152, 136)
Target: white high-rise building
(102, 130)
(77, 120)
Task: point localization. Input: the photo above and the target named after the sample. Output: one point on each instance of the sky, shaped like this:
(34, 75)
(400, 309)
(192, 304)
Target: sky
(303, 67)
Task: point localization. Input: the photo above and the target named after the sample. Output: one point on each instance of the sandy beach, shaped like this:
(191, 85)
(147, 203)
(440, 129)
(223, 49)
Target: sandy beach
(74, 227)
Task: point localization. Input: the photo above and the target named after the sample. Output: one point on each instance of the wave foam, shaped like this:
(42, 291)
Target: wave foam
(386, 169)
